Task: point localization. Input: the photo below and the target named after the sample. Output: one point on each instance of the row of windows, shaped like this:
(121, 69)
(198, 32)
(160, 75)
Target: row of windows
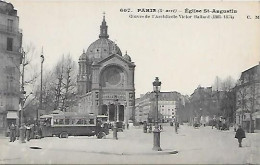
(167, 105)
(168, 109)
(73, 121)
(168, 113)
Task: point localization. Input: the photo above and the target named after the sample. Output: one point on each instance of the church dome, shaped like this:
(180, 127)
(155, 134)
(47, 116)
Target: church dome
(103, 47)
(127, 57)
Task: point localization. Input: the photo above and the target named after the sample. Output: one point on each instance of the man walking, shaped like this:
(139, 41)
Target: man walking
(240, 134)
(28, 132)
(12, 132)
(176, 125)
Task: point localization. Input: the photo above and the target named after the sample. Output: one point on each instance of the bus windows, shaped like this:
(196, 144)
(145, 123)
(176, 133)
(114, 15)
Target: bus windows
(67, 121)
(47, 122)
(61, 121)
(55, 121)
(91, 121)
(85, 121)
(72, 121)
(79, 122)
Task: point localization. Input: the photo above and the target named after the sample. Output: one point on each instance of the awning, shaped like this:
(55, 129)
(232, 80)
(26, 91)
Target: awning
(12, 115)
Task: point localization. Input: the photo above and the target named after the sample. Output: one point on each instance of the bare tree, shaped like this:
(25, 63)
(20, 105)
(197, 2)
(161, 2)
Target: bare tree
(64, 78)
(69, 83)
(28, 75)
(227, 84)
(242, 101)
(227, 102)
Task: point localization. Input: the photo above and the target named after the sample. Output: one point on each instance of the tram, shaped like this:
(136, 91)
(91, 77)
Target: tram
(66, 124)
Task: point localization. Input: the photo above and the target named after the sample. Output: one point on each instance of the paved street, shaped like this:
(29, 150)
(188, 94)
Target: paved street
(202, 145)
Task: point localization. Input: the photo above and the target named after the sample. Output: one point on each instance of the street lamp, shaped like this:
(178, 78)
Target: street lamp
(37, 113)
(115, 119)
(156, 132)
(126, 114)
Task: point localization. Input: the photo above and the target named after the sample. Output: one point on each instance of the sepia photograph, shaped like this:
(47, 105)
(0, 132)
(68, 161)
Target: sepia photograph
(129, 82)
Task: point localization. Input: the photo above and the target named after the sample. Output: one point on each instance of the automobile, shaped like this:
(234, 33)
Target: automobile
(120, 126)
(196, 125)
(131, 123)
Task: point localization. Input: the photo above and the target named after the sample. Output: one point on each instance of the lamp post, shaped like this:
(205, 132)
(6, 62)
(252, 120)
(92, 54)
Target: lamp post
(126, 115)
(40, 107)
(156, 132)
(115, 119)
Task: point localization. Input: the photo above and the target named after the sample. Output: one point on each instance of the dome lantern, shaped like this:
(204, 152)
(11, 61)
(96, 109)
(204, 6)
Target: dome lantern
(103, 28)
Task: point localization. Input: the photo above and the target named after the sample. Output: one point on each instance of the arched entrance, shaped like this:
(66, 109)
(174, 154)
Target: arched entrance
(111, 111)
(121, 112)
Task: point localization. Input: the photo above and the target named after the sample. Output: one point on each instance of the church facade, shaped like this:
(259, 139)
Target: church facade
(106, 79)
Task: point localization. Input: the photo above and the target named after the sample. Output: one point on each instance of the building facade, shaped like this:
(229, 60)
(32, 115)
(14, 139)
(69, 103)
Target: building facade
(106, 79)
(10, 59)
(248, 98)
(168, 105)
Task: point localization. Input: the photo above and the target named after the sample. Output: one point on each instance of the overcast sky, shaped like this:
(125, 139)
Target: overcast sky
(183, 53)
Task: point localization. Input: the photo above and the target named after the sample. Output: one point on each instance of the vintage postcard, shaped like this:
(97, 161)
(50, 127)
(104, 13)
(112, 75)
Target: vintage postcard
(129, 82)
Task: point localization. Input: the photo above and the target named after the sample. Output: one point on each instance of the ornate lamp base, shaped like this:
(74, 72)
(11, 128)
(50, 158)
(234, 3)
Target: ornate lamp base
(156, 140)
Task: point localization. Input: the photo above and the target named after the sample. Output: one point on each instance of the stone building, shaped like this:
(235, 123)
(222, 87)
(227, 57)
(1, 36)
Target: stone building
(248, 98)
(106, 79)
(10, 58)
(168, 105)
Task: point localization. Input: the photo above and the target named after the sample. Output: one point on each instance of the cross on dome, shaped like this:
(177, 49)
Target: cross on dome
(104, 14)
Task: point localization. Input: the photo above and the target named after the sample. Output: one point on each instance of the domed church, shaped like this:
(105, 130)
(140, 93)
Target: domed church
(106, 79)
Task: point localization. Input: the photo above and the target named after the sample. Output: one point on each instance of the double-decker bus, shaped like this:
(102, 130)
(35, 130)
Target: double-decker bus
(66, 124)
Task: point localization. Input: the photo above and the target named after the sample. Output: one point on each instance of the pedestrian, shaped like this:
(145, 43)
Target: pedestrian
(28, 132)
(145, 127)
(12, 132)
(161, 128)
(219, 124)
(240, 134)
(214, 122)
(127, 125)
(150, 128)
(176, 127)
